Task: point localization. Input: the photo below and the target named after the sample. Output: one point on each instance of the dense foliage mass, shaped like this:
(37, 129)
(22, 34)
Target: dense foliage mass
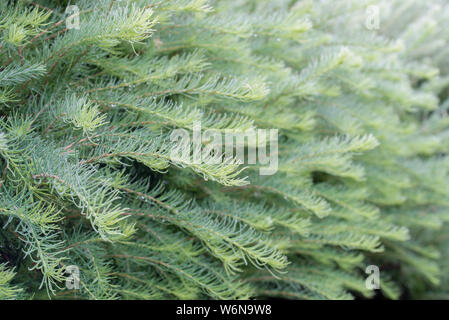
(87, 178)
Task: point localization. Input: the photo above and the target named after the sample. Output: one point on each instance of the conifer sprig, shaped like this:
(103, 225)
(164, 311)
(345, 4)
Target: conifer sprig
(88, 178)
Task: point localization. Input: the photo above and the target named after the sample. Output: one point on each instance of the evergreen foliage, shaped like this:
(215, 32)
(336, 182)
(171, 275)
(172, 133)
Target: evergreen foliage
(87, 178)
